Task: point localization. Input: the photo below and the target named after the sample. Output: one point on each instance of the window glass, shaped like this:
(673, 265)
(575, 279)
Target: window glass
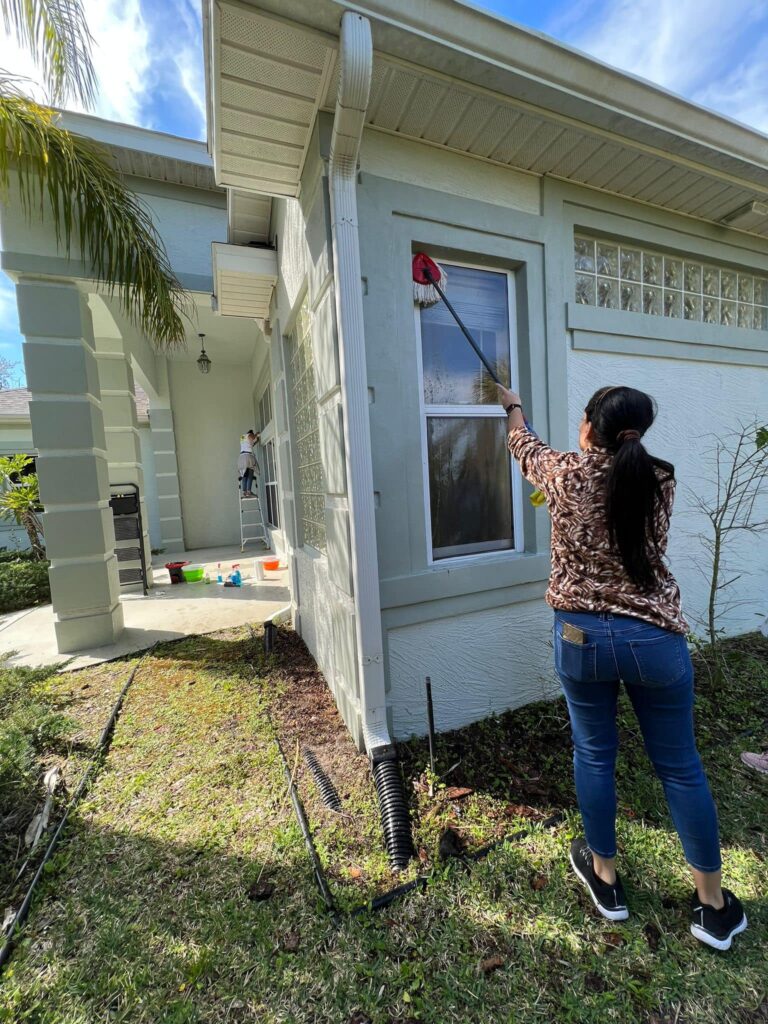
(270, 485)
(470, 485)
(642, 281)
(469, 471)
(453, 374)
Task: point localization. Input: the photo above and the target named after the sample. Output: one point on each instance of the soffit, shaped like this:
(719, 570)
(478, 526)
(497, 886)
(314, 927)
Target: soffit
(249, 216)
(271, 76)
(147, 154)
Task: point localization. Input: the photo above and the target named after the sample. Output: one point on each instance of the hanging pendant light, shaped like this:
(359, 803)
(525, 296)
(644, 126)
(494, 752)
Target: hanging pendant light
(203, 361)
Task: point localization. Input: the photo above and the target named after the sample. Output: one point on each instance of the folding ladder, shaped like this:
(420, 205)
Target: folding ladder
(252, 525)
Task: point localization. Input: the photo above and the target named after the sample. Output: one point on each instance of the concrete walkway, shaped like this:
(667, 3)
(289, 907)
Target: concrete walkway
(168, 612)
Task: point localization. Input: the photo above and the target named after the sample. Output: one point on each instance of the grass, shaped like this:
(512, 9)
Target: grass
(146, 916)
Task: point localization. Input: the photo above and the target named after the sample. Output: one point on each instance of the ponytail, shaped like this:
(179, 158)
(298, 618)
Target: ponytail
(619, 417)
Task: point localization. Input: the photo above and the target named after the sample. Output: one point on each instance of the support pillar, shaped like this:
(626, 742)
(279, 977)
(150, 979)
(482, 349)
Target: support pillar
(166, 466)
(118, 403)
(68, 432)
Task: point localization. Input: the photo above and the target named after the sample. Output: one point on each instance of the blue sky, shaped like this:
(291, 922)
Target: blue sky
(148, 55)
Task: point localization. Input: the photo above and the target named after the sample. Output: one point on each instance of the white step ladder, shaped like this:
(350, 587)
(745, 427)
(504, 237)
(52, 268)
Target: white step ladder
(252, 525)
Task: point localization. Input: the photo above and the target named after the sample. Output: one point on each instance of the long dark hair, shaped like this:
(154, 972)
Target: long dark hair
(619, 417)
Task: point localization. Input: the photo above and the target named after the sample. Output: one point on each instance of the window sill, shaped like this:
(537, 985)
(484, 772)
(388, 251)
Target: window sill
(642, 334)
(473, 575)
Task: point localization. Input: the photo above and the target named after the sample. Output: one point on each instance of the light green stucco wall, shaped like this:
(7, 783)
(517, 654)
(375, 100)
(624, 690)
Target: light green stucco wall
(480, 628)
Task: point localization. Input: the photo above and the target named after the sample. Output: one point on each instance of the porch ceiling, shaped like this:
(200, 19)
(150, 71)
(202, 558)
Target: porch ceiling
(273, 67)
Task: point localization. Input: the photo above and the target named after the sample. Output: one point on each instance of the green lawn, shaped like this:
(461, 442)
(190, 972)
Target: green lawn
(145, 915)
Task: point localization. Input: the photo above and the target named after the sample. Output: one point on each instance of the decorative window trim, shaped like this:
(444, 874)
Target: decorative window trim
(265, 409)
(427, 410)
(307, 440)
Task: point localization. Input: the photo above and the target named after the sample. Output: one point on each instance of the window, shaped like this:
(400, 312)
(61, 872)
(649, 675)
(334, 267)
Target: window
(468, 470)
(265, 409)
(270, 484)
(629, 277)
(310, 480)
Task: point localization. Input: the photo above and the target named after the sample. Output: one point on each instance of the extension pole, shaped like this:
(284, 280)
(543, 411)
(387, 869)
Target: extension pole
(431, 278)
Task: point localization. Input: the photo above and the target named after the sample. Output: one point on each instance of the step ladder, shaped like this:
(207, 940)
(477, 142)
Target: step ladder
(252, 525)
(129, 535)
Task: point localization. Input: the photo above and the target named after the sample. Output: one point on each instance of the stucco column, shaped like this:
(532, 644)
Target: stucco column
(118, 403)
(166, 466)
(68, 431)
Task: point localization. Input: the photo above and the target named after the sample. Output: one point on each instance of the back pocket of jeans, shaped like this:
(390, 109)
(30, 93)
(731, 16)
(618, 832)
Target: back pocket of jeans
(577, 661)
(660, 661)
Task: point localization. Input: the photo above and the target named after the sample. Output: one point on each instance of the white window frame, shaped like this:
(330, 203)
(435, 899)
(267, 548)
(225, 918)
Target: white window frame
(264, 427)
(465, 412)
(271, 483)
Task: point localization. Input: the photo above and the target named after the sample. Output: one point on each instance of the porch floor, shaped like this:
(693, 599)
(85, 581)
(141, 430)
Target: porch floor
(167, 612)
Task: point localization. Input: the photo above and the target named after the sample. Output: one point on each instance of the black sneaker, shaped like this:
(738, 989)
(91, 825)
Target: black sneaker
(717, 927)
(609, 899)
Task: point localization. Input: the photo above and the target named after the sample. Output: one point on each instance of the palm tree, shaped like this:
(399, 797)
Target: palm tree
(69, 178)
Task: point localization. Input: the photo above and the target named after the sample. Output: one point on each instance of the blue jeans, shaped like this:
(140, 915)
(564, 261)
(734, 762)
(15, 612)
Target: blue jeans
(656, 670)
(246, 481)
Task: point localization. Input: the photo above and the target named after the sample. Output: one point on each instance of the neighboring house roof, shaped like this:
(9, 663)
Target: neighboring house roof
(14, 404)
(465, 80)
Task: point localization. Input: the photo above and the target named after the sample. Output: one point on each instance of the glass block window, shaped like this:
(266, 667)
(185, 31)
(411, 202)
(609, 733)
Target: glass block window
(468, 467)
(270, 485)
(310, 479)
(616, 275)
(265, 409)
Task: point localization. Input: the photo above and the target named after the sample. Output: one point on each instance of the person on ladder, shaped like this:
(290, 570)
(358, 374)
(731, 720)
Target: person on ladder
(247, 466)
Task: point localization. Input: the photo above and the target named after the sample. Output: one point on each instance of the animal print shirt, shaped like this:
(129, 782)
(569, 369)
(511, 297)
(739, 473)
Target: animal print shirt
(587, 573)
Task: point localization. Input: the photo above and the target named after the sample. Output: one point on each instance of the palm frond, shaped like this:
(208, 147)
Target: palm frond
(56, 34)
(70, 178)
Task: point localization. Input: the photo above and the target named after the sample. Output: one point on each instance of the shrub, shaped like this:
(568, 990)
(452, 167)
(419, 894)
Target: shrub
(23, 584)
(27, 555)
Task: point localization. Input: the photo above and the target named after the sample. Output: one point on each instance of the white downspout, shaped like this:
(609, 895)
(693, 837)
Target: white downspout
(355, 70)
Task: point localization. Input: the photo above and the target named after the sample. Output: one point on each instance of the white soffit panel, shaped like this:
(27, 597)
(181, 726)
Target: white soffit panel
(243, 279)
(272, 77)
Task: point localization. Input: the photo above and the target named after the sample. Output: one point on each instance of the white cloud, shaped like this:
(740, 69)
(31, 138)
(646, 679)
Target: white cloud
(743, 93)
(192, 78)
(121, 55)
(687, 46)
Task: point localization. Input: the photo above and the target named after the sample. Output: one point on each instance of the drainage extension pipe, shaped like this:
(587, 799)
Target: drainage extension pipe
(355, 73)
(394, 810)
(102, 749)
(301, 817)
(326, 788)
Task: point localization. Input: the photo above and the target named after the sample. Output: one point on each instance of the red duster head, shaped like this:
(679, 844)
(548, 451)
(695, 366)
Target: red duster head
(422, 263)
(425, 271)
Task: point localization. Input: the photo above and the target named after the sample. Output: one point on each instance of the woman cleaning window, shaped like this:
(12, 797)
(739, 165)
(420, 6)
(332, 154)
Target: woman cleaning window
(247, 466)
(618, 619)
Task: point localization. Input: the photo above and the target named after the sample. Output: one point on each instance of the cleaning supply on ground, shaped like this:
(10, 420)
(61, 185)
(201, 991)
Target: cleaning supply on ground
(219, 577)
(174, 571)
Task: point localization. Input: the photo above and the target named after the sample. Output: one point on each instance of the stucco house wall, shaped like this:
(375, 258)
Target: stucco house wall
(321, 579)
(478, 625)
(210, 412)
